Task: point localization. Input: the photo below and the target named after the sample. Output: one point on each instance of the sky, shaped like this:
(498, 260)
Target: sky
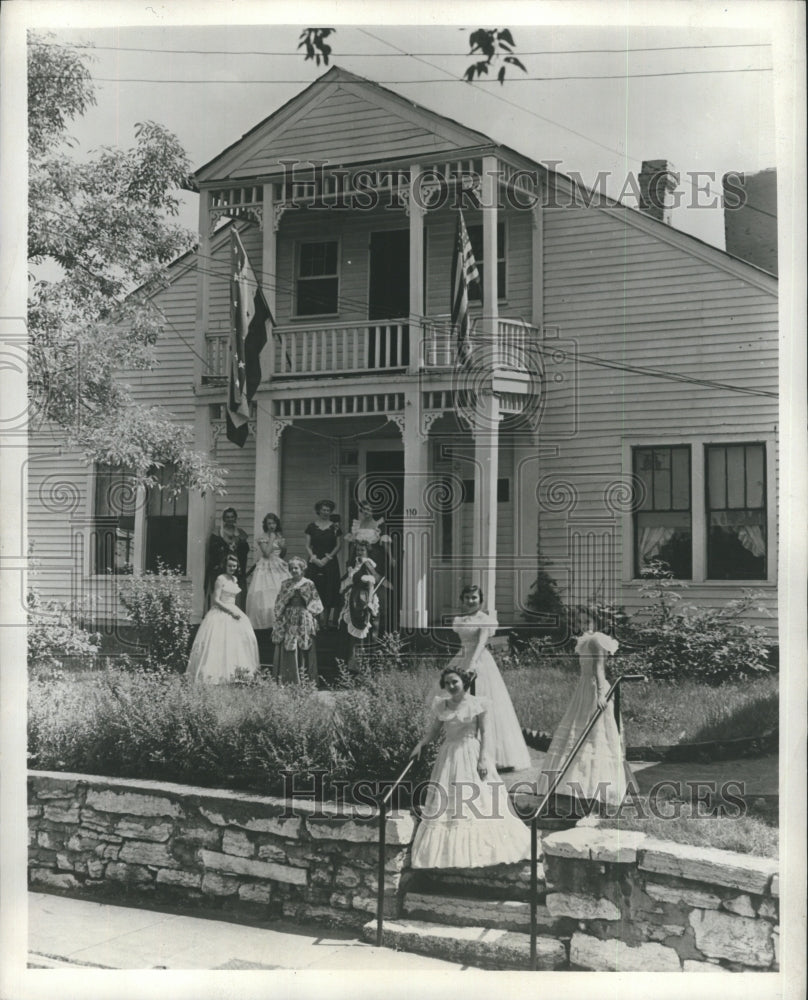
(648, 96)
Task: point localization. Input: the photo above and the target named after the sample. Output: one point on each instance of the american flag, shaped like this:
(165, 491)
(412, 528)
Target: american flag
(249, 313)
(464, 272)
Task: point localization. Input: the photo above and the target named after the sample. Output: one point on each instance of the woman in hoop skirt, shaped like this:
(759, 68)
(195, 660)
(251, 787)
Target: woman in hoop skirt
(458, 830)
(599, 773)
(270, 572)
(225, 645)
(475, 628)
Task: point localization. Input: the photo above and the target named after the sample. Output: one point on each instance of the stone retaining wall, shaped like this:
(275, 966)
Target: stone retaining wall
(652, 905)
(181, 846)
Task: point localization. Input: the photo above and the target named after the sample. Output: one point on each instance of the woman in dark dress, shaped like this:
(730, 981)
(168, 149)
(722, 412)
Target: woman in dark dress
(323, 540)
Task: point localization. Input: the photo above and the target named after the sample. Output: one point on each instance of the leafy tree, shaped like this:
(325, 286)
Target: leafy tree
(105, 227)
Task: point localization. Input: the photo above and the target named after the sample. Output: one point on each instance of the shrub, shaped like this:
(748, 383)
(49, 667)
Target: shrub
(55, 632)
(159, 604)
(680, 640)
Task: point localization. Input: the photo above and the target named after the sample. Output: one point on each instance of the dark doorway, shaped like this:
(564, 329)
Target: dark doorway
(384, 487)
(389, 294)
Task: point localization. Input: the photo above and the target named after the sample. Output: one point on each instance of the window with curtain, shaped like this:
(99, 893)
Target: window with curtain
(736, 511)
(166, 523)
(476, 240)
(662, 516)
(114, 506)
(317, 284)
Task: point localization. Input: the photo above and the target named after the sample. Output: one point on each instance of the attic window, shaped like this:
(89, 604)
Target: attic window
(317, 286)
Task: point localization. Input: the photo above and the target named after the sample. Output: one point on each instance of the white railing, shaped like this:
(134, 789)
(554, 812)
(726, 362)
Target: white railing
(340, 347)
(383, 345)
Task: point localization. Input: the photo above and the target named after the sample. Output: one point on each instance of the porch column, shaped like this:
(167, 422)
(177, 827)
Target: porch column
(417, 535)
(267, 279)
(203, 270)
(201, 514)
(268, 432)
(489, 194)
(416, 213)
(486, 471)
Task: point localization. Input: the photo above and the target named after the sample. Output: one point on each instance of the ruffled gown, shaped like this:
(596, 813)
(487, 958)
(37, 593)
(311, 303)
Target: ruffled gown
(223, 645)
(504, 732)
(296, 610)
(270, 572)
(599, 771)
(466, 822)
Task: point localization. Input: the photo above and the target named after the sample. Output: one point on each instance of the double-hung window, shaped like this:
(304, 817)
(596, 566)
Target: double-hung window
(166, 523)
(663, 517)
(113, 535)
(736, 511)
(317, 284)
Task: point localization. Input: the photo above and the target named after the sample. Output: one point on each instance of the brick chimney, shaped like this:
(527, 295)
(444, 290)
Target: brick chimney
(658, 181)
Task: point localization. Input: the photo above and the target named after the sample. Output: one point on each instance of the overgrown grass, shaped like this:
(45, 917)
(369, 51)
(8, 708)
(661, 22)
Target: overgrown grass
(657, 712)
(754, 833)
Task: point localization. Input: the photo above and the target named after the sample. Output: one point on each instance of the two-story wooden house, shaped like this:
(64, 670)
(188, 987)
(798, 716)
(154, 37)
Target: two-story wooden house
(619, 404)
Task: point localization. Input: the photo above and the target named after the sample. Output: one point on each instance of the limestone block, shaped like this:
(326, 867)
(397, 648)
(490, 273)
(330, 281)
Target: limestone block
(64, 862)
(595, 844)
(271, 852)
(690, 897)
(768, 908)
(740, 939)
(172, 876)
(34, 811)
(53, 880)
(199, 836)
(340, 900)
(237, 842)
(689, 965)
(145, 852)
(776, 943)
(281, 827)
(67, 813)
(95, 820)
(321, 874)
(107, 851)
(256, 869)
(129, 874)
(83, 840)
(775, 888)
(657, 932)
(95, 868)
(214, 884)
(131, 826)
(742, 905)
(52, 788)
(348, 878)
(709, 864)
(252, 892)
(106, 800)
(32, 834)
(50, 840)
(613, 955)
(581, 907)
(399, 829)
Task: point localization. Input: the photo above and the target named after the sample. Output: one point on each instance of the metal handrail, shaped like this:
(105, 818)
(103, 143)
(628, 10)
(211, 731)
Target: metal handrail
(534, 825)
(383, 801)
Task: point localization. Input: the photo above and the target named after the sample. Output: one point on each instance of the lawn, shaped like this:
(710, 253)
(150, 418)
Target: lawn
(655, 712)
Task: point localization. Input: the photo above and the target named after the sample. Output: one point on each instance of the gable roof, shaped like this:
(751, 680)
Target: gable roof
(364, 120)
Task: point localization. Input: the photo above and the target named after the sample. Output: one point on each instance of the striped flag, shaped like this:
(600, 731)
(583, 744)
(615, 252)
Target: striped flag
(249, 313)
(464, 272)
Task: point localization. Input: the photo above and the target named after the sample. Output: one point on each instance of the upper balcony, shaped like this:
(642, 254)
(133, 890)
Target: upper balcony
(377, 349)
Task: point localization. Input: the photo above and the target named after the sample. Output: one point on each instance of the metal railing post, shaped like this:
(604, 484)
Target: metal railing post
(383, 801)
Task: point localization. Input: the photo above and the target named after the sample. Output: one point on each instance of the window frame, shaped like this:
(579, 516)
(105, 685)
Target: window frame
(299, 244)
(672, 510)
(147, 540)
(698, 488)
(708, 510)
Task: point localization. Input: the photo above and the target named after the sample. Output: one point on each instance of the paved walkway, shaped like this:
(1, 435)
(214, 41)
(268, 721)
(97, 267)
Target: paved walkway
(68, 933)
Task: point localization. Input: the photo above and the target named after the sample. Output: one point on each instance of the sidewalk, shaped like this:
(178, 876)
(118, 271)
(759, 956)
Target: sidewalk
(68, 933)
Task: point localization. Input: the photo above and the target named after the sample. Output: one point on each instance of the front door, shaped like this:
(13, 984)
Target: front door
(389, 292)
(384, 487)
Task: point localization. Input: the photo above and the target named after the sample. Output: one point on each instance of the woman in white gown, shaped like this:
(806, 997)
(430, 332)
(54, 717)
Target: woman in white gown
(466, 818)
(225, 644)
(475, 628)
(599, 772)
(270, 572)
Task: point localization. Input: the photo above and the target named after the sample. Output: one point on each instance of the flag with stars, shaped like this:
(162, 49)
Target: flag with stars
(464, 272)
(249, 314)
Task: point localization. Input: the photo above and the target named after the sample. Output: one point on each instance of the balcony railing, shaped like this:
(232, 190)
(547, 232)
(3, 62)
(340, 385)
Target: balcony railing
(374, 347)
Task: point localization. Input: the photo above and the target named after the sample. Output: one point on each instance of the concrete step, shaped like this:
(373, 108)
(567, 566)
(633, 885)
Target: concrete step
(495, 882)
(484, 947)
(472, 911)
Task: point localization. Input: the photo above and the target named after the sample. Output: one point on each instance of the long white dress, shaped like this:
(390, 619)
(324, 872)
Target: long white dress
(466, 822)
(223, 645)
(270, 572)
(599, 770)
(505, 734)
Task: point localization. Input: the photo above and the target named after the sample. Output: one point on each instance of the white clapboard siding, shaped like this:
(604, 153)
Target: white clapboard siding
(619, 294)
(240, 480)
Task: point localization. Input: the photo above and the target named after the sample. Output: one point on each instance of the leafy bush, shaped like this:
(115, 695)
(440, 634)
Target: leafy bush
(680, 640)
(55, 632)
(159, 604)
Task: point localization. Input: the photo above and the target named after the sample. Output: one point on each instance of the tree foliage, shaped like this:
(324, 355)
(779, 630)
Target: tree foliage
(104, 226)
